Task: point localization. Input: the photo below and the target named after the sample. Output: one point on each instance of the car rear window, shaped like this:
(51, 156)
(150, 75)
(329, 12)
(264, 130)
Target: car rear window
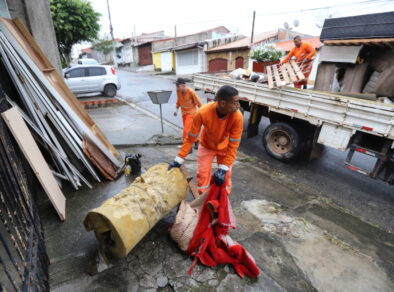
(96, 71)
(76, 73)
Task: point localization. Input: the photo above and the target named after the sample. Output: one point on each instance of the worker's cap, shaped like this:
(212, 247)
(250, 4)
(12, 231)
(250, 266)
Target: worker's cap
(180, 80)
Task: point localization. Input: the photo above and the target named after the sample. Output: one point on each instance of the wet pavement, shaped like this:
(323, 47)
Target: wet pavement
(299, 241)
(305, 224)
(367, 198)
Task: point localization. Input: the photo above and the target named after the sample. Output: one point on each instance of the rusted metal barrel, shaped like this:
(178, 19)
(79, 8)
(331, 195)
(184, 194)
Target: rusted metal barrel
(123, 220)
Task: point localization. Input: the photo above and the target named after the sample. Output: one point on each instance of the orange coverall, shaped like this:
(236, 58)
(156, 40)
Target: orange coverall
(219, 138)
(187, 101)
(304, 53)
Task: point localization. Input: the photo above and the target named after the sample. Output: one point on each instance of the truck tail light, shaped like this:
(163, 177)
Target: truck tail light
(113, 71)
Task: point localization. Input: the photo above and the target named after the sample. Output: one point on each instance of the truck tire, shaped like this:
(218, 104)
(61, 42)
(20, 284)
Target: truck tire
(282, 142)
(110, 90)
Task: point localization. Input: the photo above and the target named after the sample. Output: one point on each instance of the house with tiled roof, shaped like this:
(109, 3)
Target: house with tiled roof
(236, 54)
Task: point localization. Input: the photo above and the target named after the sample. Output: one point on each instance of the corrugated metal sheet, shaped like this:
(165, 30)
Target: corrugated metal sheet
(145, 55)
(339, 54)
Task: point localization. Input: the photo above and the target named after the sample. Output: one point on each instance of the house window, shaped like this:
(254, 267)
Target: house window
(187, 58)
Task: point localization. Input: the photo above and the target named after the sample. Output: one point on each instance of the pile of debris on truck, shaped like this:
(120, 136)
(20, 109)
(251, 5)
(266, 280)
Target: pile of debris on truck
(358, 59)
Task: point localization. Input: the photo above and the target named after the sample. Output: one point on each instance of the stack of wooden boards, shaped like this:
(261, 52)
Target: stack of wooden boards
(45, 112)
(284, 74)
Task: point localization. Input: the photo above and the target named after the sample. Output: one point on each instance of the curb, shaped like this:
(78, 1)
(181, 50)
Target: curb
(96, 103)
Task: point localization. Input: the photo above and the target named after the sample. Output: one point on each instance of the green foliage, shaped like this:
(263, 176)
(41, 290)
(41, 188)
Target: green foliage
(75, 21)
(267, 53)
(104, 45)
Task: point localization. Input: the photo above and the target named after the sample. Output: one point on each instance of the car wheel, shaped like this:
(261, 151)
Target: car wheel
(110, 90)
(282, 142)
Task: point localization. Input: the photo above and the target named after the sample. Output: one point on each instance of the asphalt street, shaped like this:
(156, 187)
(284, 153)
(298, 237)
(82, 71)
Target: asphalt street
(326, 176)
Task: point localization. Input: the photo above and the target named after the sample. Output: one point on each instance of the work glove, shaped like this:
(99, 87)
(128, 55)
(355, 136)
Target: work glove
(176, 163)
(219, 176)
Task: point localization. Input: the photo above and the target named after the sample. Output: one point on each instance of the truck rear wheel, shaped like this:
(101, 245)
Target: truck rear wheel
(282, 142)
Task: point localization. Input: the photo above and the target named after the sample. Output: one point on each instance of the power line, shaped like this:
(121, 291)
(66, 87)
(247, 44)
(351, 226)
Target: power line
(292, 11)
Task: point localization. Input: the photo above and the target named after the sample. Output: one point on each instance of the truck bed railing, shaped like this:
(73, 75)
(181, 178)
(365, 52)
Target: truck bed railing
(313, 106)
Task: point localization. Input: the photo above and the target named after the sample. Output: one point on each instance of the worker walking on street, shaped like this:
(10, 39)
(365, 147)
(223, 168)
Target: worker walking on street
(303, 53)
(188, 101)
(220, 137)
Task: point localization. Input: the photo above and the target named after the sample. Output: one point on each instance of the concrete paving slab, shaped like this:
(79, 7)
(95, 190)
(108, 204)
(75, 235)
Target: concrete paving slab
(125, 125)
(299, 242)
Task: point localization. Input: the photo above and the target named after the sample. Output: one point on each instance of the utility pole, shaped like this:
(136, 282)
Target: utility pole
(111, 30)
(175, 35)
(251, 37)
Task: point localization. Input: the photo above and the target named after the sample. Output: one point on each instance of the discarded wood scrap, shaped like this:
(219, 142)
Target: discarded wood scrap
(123, 220)
(283, 74)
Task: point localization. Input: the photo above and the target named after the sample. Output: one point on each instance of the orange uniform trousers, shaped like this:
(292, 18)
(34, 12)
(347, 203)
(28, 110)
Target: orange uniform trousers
(205, 158)
(187, 124)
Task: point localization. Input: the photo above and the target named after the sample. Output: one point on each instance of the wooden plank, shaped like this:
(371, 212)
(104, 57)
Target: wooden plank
(192, 184)
(290, 70)
(278, 81)
(285, 75)
(29, 147)
(358, 41)
(297, 70)
(270, 79)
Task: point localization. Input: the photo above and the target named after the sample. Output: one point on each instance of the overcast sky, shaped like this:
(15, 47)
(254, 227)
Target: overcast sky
(193, 16)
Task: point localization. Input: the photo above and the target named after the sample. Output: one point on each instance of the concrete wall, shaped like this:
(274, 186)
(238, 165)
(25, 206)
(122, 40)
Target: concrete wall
(188, 39)
(230, 56)
(157, 61)
(35, 15)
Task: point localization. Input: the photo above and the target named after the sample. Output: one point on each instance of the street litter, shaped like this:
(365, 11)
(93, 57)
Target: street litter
(123, 220)
(70, 140)
(201, 230)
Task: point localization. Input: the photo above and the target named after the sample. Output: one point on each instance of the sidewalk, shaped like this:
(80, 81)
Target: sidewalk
(133, 126)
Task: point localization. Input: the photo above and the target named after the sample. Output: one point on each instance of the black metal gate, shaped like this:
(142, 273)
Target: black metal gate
(23, 258)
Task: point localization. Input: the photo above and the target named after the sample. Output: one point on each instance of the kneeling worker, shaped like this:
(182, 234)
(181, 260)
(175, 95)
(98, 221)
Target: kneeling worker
(220, 137)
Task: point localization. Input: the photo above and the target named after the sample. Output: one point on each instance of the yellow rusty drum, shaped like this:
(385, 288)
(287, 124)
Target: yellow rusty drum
(123, 220)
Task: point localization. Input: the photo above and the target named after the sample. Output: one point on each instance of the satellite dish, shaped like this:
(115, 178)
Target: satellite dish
(296, 23)
(286, 25)
(323, 14)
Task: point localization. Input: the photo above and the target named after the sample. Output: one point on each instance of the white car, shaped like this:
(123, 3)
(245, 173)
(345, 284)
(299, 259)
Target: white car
(92, 78)
(87, 61)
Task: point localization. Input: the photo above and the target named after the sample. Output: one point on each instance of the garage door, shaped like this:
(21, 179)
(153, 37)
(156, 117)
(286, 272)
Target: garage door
(239, 62)
(217, 65)
(166, 61)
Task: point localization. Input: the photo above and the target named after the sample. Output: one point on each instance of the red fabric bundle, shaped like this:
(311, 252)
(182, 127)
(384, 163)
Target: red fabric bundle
(211, 243)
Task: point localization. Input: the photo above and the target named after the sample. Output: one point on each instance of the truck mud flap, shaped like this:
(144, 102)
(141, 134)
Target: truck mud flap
(256, 111)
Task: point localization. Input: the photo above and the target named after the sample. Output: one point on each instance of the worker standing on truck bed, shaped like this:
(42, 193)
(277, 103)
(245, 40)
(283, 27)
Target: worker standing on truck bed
(303, 53)
(220, 138)
(188, 101)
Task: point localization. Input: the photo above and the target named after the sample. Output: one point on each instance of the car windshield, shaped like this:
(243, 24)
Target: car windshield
(89, 62)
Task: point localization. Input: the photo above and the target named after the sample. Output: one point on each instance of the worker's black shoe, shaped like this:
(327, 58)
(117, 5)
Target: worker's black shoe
(195, 145)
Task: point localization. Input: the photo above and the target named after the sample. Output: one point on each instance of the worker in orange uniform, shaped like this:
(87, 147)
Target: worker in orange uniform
(188, 101)
(303, 53)
(220, 137)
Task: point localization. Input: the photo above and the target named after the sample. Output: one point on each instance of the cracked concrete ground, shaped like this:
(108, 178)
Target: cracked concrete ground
(300, 242)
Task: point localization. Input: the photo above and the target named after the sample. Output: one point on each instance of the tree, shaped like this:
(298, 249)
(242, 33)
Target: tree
(75, 21)
(104, 45)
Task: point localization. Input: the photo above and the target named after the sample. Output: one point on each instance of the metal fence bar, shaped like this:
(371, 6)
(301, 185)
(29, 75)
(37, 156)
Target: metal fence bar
(23, 256)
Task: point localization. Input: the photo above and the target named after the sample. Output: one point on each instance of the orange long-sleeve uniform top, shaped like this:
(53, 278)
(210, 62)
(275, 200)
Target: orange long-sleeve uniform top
(188, 101)
(305, 51)
(217, 134)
